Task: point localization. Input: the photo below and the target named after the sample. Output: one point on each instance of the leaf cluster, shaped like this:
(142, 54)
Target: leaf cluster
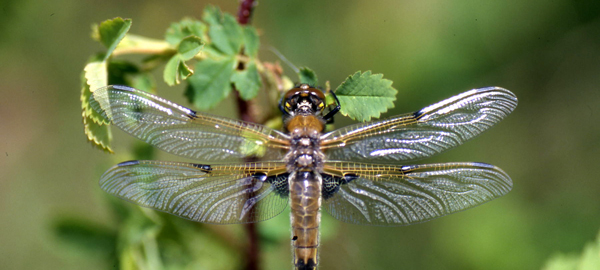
(214, 56)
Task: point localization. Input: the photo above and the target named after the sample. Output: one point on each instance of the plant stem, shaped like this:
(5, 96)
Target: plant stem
(245, 11)
(252, 252)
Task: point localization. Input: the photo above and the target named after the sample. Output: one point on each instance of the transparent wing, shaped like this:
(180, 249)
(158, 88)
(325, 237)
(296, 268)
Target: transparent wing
(401, 195)
(181, 131)
(210, 194)
(424, 133)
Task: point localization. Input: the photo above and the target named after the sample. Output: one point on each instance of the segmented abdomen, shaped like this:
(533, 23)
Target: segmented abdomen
(305, 199)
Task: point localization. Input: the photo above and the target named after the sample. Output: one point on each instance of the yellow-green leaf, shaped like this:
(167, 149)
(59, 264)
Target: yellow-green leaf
(95, 125)
(96, 75)
(98, 133)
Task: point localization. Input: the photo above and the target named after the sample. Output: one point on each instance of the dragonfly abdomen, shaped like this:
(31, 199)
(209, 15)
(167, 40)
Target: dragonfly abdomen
(305, 201)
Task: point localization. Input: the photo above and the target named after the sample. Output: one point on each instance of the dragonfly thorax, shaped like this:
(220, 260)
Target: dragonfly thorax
(304, 151)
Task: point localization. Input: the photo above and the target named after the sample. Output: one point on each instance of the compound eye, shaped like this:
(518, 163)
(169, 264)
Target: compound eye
(318, 103)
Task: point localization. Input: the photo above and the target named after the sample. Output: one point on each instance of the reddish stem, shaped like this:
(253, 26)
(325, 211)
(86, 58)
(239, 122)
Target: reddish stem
(245, 12)
(243, 18)
(252, 252)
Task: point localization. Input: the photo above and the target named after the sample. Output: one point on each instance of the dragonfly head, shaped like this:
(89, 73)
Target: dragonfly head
(303, 99)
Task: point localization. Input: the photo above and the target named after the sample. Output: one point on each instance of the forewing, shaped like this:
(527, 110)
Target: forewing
(181, 131)
(225, 194)
(427, 132)
(402, 195)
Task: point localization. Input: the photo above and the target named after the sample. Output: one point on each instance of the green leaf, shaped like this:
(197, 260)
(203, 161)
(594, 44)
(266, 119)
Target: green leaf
(365, 95)
(251, 41)
(247, 81)
(86, 109)
(308, 76)
(176, 69)
(184, 71)
(189, 47)
(225, 33)
(112, 31)
(96, 75)
(95, 126)
(184, 28)
(211, 50)
(171, 72)
(97, 133)
(210, 83)
(99, 74)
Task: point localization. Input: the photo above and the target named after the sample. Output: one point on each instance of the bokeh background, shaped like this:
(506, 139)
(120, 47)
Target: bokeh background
(546, 52)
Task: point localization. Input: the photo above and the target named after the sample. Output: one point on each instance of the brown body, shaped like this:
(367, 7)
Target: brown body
(305, 162)
(305, 196)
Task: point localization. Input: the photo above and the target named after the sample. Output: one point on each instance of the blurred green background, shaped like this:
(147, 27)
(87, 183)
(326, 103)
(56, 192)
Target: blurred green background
(546, 52)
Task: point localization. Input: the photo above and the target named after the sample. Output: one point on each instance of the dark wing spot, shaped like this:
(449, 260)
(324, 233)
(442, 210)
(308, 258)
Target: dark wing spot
(418, 114)
(485, 165)
(331, 185)
(280, 184)
(408, 168)
(204, 168)
(192, 114)
(128, 163)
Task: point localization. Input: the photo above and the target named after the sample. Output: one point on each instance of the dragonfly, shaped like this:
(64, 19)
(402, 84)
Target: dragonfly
(359, 174)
